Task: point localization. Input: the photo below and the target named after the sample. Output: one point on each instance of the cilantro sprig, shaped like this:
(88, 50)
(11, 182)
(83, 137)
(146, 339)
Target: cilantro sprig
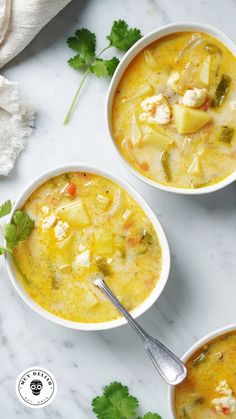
(84, 43)
(117, 403)
(19, 229)
(5, 208)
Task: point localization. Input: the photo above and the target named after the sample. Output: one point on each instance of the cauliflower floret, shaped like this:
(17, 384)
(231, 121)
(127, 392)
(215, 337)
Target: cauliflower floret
(224, 388)
(49, 221)
(83, 259)
(156, 110)
(227, 401)
(61, 230)
(193, 98)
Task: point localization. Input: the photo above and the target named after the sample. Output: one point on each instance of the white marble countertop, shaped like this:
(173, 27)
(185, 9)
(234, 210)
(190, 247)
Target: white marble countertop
(200, 294)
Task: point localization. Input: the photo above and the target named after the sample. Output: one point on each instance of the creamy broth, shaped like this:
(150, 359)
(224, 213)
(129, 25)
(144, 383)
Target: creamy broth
(174, 111)
(86, 224)
(210, 388)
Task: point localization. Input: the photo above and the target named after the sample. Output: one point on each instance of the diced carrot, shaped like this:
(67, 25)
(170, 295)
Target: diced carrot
(144, 166)
(128, 224)
(225, 410)
(206, 105)
(71, 188)
(133, 241)
(149, 284)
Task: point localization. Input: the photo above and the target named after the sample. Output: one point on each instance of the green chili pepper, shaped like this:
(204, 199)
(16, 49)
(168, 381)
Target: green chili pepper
(212, 49)
(200, 358)
(226, 134)
(221, 91)
(147, 237)
(185, 414)
(165, 164)
(103, 266)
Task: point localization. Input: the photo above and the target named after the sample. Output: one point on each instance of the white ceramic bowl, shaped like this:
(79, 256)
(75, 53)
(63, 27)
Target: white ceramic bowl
(160, 233)
(128, 57)
(206, 339)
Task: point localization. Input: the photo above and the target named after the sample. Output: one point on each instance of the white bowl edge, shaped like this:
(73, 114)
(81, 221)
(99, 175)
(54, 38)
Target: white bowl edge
(125, 61)
(150, 300)
(205, 339)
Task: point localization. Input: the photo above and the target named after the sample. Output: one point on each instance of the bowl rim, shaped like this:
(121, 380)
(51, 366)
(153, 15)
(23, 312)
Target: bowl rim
(153, 296)
(197, 345)
(126, 60)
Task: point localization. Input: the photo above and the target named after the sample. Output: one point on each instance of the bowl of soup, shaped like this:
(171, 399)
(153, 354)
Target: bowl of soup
(171, 109)
(209, 391)
(88, 222)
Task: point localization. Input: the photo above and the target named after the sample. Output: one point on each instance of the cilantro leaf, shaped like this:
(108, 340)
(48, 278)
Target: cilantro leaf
(5, 208)
(10, 235)
(110, 413)
(83, 42)
(104, 68)
(23, 223)
(86, 59)
(77, 62)
(122, 37)
(151, 416)
(2, 250)
(116, 403)
(100, 405)
(16, 231)
(116, 391)
(19, 229)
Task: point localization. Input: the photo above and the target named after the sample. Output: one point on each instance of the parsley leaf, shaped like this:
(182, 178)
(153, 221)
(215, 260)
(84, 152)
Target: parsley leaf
(122, 37)
(104, 68)
(115, 403)
(83, 42)
(5, 208)
(151, 416)
(86, 59)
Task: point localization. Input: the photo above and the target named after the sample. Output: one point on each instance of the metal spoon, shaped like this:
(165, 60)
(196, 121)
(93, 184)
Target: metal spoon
(168, 365)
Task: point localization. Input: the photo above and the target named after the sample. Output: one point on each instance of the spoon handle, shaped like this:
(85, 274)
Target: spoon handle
(100, 283)
(168, 365)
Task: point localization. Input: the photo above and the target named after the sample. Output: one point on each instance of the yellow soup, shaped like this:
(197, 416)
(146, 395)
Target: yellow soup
(210, 388)
(86, 224)
(174, 111)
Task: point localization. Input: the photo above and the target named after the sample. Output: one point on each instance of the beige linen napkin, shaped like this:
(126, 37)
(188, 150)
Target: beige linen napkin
(20, 21)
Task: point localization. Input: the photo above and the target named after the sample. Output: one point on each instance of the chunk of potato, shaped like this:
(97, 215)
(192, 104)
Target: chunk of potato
(104, 244)
(189, 120)
(157, 139)
(75, 214)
